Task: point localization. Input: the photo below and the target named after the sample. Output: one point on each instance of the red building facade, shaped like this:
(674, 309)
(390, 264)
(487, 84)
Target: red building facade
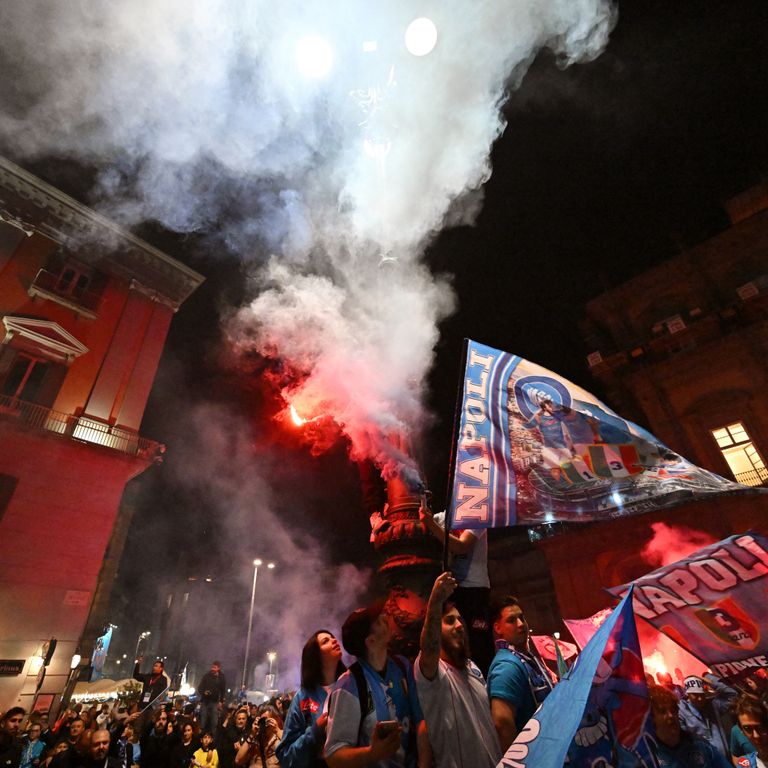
(85, 308)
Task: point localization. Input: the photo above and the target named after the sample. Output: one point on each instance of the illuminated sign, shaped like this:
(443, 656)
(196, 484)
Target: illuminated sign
(10, 667)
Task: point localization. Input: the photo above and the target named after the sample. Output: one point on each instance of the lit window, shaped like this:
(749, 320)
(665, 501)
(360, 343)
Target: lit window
(743, 458)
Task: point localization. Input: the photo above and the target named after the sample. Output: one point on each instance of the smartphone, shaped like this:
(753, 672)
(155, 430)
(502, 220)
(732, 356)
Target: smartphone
(385, 727)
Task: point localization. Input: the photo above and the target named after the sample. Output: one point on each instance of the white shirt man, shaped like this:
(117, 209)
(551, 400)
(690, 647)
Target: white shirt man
(451, 688)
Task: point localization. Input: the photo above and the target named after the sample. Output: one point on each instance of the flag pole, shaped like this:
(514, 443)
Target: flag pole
(454, 450)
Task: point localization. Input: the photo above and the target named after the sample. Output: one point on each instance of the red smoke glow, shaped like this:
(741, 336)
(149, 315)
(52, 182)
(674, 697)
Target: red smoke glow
(660, 654)
(670, 544)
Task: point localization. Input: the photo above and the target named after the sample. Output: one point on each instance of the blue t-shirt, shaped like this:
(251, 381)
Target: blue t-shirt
(739, 743)
(513, 680)
(551, 429)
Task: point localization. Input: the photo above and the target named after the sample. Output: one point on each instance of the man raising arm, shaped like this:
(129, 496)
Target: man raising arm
(452, 689)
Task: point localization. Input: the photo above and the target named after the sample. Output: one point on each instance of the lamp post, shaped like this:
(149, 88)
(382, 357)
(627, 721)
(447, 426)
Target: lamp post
(141, 637)
(256, 563)
(270, 681)
(74, 668)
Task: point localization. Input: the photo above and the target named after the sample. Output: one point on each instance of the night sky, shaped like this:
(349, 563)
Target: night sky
(604, 169)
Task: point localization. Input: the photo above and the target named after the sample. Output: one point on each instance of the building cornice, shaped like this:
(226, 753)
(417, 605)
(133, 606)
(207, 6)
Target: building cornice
(36, 206)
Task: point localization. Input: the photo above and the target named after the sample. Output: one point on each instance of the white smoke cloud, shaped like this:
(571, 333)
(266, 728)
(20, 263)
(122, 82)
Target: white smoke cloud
(200, 119)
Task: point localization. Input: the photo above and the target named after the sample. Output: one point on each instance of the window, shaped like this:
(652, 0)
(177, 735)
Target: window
(73, 281)
(71, 284)
(25, 376)
(34, 359)
(29, 375)
(743, 458)
(675, 324)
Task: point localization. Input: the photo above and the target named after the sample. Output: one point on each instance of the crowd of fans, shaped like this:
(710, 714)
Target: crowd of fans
(381, 711)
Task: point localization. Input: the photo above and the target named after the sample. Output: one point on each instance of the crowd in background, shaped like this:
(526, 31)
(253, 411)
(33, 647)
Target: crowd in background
(382, 710)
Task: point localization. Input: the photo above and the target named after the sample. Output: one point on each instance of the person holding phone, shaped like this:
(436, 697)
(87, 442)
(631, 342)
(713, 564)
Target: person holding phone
(258, 750)
(373, 710)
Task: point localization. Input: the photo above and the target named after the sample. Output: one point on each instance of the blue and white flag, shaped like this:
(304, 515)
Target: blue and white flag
(599, 714)
(534, 448)
(712, 603)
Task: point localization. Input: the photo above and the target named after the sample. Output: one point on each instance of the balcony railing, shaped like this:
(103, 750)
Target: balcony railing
(80, 428)
(47, 285)
(753, 477)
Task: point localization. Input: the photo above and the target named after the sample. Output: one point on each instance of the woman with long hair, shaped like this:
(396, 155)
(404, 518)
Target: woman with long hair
(304, 733)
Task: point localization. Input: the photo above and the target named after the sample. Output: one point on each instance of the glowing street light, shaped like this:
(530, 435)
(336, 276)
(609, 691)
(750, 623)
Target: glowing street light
(141, 637)
(269, 682)
(314, 57)
(256, 563)
(421, 36)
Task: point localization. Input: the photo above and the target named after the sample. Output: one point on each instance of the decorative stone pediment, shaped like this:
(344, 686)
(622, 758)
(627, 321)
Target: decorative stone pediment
(49, 337)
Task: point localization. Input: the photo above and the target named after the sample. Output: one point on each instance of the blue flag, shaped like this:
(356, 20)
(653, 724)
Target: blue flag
(599, 713)
(712, 603)
(535, 448)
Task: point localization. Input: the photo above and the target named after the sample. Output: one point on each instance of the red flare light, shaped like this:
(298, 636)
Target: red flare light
(297, 420)
(655, 664)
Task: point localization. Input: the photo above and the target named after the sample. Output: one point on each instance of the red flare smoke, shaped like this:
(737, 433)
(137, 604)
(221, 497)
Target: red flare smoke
(670, 544)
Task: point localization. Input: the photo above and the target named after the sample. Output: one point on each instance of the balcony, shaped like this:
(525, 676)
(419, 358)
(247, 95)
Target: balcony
(49, 285)
(80, 428)
(756, 477)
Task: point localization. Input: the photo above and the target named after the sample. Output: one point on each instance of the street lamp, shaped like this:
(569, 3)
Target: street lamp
(141, 637)
(270, 680)
(74, 665)
(421, 36)
(256, 563)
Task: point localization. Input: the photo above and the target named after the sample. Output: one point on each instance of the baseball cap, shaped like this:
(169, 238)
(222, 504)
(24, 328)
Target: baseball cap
(693, 684)
(357, 627)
